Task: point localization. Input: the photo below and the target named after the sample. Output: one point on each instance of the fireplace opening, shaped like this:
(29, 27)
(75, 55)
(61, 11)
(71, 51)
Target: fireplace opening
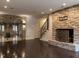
(65, 35)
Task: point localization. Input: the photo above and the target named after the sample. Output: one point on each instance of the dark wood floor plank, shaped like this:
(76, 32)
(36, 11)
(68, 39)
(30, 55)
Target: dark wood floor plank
(35, 49)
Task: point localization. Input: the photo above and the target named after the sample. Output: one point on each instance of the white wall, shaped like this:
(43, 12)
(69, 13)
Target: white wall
(32, 30)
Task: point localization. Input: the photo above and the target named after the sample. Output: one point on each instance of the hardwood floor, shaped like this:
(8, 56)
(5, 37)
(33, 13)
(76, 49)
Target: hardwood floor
(34, 49)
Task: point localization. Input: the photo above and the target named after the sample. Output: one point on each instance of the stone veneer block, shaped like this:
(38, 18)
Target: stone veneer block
(68, 46)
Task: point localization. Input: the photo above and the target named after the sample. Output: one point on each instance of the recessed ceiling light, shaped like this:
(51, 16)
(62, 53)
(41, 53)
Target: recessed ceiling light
(50, 9)
(64, 4)
(5, 7)
(42, 12)
(8, 0)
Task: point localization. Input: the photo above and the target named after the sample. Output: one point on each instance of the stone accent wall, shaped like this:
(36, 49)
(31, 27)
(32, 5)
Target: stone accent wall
(71, 23)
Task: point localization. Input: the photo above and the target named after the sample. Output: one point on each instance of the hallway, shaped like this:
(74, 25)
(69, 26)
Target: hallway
(34, 49)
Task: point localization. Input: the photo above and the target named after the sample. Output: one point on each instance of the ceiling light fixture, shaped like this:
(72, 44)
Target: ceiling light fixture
(50, 9)
(42, 12)
(5, 7)
(8, 0)
(64, 4)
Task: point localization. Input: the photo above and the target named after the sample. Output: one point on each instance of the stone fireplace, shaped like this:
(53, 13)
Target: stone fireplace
(63, 32)
(65, 35)
(66, 32)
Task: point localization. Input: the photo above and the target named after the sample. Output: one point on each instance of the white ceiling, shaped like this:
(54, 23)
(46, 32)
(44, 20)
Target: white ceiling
(34, 7)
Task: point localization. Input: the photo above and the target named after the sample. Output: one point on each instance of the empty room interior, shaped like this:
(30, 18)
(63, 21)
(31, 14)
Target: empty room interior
(39, 28)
